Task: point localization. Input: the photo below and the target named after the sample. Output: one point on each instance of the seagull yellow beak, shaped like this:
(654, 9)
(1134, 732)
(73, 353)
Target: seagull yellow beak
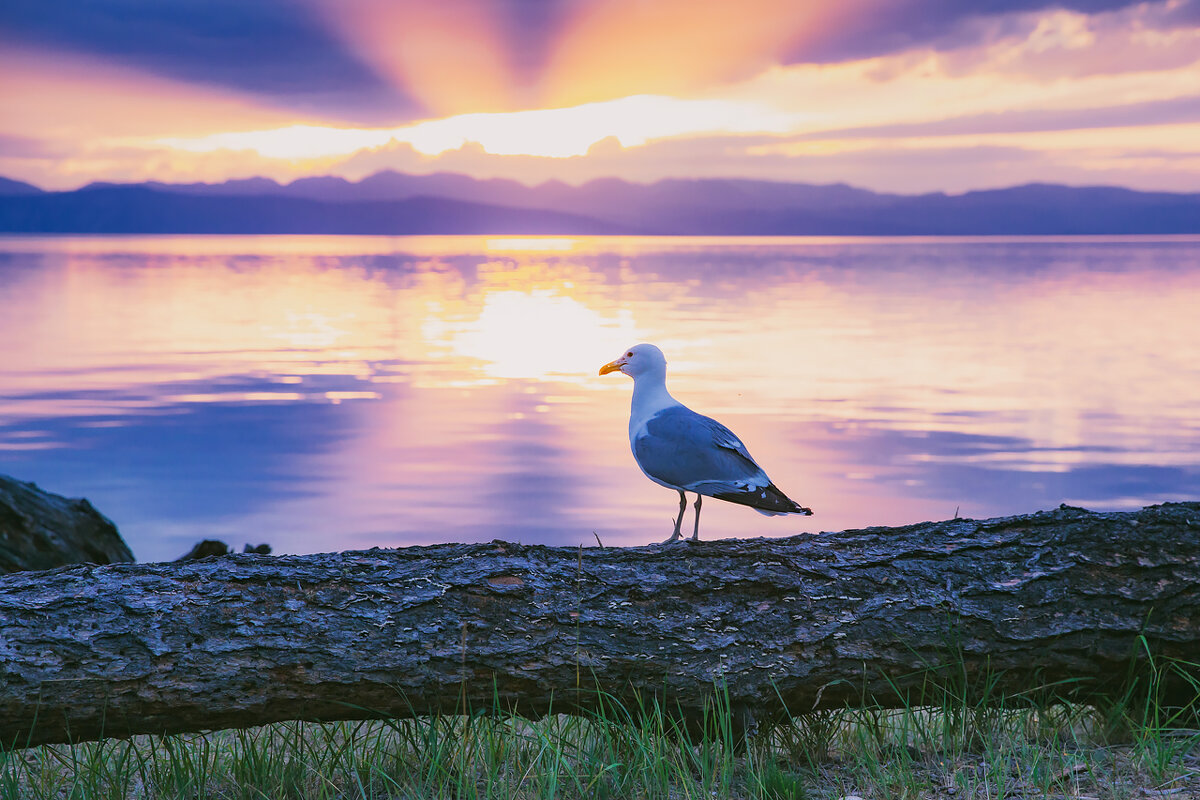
(612, 366)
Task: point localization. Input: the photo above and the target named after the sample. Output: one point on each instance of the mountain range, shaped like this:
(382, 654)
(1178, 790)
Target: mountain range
(444, 203)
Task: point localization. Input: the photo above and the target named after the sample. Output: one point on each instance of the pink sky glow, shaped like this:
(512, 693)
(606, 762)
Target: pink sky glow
(1081, 93)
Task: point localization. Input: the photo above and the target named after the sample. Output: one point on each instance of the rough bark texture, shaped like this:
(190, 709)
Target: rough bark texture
(813, 621)
(40, 530)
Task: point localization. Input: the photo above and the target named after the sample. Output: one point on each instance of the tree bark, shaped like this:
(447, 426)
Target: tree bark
(1061, 602)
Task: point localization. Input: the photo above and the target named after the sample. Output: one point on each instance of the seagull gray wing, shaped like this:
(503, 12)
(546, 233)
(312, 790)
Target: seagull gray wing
(686, 450)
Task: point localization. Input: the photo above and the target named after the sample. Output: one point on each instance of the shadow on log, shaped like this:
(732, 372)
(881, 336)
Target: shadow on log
(1055, 604)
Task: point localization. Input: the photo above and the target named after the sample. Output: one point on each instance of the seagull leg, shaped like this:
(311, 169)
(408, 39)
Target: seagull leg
(678, 520)
(696, 530)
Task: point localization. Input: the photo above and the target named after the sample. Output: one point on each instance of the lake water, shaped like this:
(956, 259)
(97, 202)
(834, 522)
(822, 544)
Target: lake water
(345, 392)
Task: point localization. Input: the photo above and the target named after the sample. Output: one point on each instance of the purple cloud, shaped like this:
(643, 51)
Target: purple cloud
(950, 24)
(274, 48)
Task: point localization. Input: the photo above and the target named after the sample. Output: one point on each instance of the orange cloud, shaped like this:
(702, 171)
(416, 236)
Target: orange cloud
(74, 98)
(614, 48)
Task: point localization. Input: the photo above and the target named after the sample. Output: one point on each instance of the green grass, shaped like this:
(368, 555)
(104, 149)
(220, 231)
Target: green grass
(905, 753)
(1130, 748)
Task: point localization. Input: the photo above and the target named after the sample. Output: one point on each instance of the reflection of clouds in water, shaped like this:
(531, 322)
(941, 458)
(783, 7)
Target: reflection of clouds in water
(532, 485)
(197, 468)
(999, 475)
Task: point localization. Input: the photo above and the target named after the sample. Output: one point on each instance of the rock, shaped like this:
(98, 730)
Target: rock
(40, 530)
(204, 549)
(215, 547)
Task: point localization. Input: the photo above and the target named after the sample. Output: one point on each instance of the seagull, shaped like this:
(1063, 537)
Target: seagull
(689, 452)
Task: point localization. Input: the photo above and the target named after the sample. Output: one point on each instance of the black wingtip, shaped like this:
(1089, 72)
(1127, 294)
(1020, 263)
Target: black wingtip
(768, 500)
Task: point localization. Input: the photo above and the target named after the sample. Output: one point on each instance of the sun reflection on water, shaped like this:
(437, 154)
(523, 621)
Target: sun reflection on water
(535, 334)
(533, 244)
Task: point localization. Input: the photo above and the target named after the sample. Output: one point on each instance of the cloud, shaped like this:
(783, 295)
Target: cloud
(86, 117)
(892, 27)
(388, 61)
(1155, 112)
(13, 146)
(1060, 44)
(271, 48)
(379, 61)
(607, 48)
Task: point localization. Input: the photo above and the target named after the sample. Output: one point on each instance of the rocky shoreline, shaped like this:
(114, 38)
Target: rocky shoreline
(43, 530)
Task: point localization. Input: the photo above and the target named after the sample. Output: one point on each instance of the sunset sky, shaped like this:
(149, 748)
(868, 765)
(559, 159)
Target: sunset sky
(905, 96)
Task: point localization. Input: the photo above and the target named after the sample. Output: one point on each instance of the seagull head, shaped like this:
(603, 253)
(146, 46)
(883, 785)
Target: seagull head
(637, 360)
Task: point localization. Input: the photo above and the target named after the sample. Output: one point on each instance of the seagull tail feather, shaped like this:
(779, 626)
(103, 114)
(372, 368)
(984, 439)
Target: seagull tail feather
(768, 500)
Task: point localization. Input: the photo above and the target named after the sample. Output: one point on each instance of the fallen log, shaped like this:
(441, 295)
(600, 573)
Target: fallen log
(1065, 600)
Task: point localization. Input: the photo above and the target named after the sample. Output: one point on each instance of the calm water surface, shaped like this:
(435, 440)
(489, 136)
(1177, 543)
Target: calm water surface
(344, 392)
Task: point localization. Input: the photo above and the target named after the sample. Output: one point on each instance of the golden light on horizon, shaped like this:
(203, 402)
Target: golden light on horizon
(549, 133)
(563, 132)
(289, 143)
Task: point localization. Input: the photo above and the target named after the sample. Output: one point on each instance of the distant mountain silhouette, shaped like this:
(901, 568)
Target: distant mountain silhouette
(11, 187)
(138, 209)
(393, 203)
